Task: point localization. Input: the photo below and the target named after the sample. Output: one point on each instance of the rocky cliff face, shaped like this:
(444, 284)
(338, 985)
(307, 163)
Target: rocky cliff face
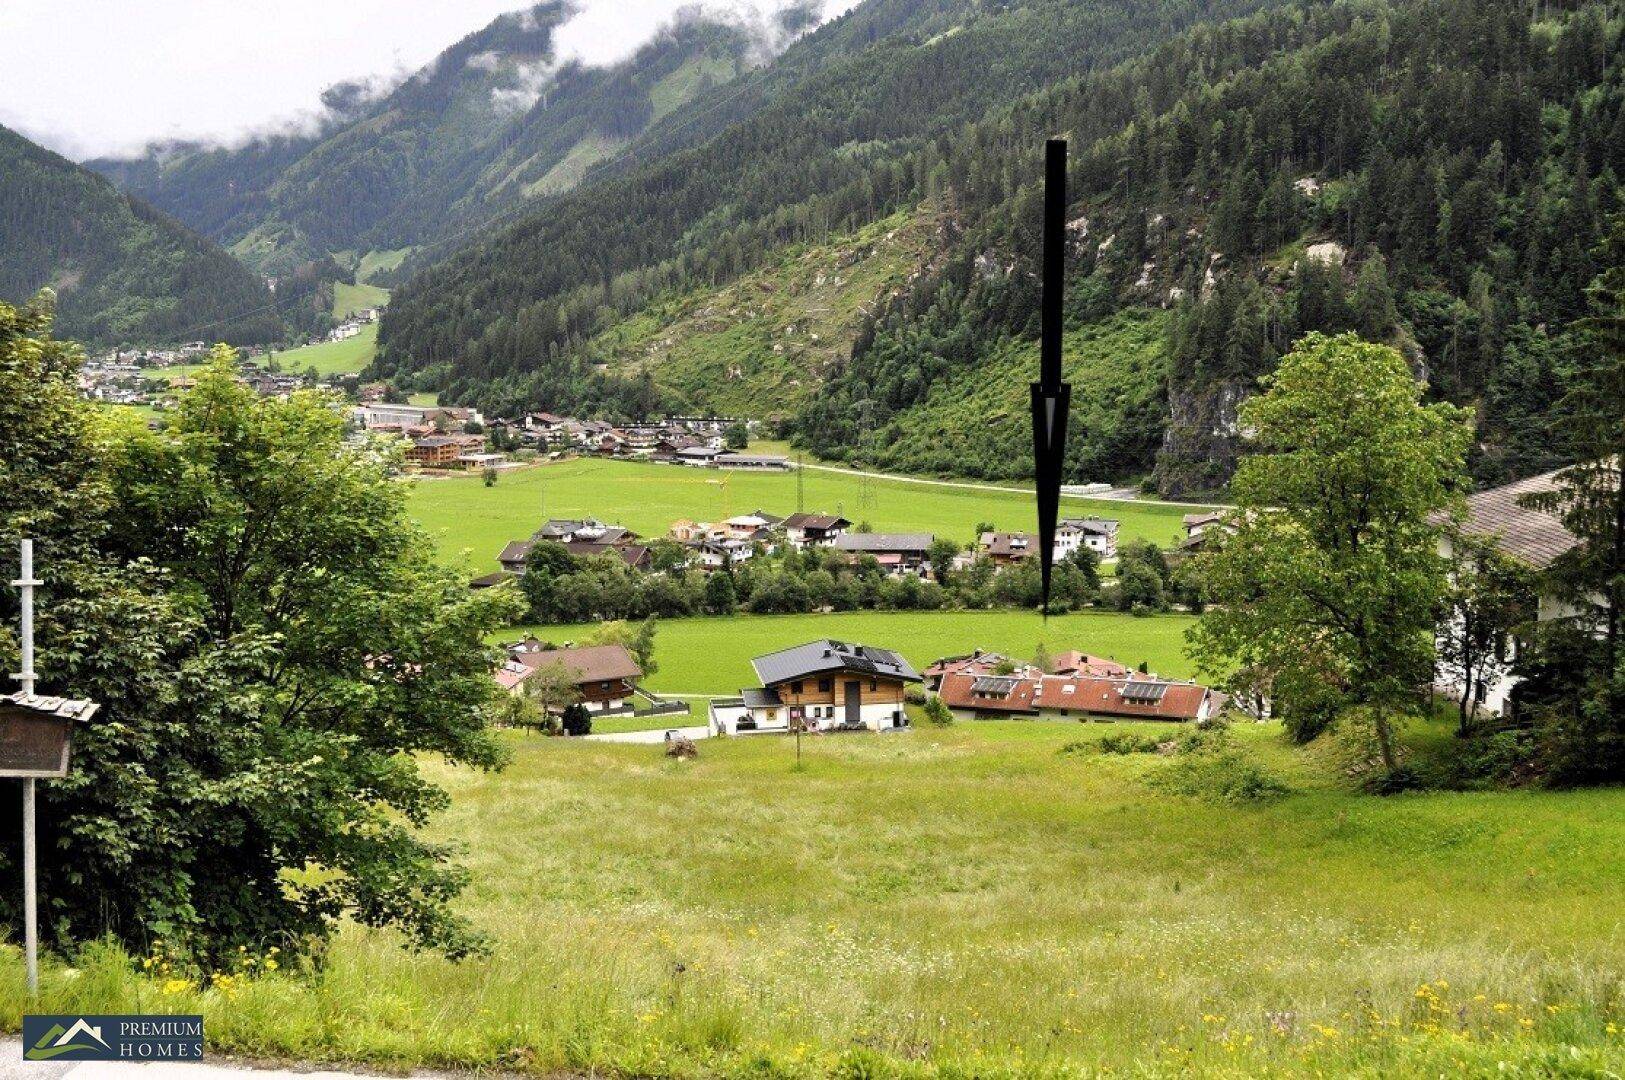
(1202, 442)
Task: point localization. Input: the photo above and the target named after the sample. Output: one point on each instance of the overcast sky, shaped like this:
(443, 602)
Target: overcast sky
(94, 77)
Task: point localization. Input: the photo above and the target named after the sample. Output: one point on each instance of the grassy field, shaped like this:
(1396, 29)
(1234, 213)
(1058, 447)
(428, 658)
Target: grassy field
(349, 299)
(471, 522)
(333, 357)
(971, 901)
(709, 655)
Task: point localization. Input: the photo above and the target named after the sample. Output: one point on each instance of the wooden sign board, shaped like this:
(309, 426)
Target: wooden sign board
(34, 742)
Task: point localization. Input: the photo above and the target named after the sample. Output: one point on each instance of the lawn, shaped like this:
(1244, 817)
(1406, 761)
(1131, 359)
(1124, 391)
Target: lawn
(709, 655)
(969, 901)
(465, 516)
(331, 357)
(350, 299)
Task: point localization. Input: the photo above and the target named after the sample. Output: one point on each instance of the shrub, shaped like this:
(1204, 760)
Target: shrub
(1207, 765)
(937, 713)
(577, 720)
(1126, 742)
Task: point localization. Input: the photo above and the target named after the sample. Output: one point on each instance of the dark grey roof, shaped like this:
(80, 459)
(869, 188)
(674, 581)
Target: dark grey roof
(1103, 526)
(760, 698)
(1534, 537)
(68, 708)
(910, 542)
(819, 657)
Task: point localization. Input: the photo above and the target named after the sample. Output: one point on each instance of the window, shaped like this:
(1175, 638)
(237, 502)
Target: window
(824, 685)
(795, 687)
(874, 684)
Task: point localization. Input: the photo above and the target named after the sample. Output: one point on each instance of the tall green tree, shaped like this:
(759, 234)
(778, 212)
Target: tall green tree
(1333, 575)
(272, 644)
(1584, 727)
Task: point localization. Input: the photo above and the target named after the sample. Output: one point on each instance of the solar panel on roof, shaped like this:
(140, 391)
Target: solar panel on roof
(1142, 691)
(993, 685)
(862, 663)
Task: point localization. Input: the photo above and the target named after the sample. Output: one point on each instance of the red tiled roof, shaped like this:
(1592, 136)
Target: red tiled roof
(1081, 663)
(1099, 696)
(958, 691)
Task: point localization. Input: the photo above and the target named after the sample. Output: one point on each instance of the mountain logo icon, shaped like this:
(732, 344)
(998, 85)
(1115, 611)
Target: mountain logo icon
(59, 1041)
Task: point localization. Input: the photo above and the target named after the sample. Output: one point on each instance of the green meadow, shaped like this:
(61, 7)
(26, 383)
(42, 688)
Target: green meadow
(470, 522)
(352, 299)
(711, 655)
(991, 899)
(331, 357)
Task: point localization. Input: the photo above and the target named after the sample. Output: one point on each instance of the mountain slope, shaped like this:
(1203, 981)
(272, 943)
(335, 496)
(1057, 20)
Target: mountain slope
(838, 147)
(1430, 172)
(123, 272)
(1434, 174)
(494, 121)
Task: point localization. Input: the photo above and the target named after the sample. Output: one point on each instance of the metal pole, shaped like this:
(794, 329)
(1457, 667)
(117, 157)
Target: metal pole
(30, 891)
(25, 586)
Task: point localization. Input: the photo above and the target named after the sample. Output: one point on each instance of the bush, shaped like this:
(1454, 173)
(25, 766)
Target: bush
(1207, 765)
(1126, 742)
(937, 713)
(577, 720)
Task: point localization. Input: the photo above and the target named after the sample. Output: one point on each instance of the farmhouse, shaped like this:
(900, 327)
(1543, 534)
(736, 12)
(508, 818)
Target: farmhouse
(605, 677)
(717, 554)
(1532, 537)
(1097, 534)
(814, 530)
(583, 538)
(1008, 548)
(1029, 692)
(897, 553)
(820, 686)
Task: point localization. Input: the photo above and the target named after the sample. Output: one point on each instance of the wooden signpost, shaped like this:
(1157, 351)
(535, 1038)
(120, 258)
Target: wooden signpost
(36, 738)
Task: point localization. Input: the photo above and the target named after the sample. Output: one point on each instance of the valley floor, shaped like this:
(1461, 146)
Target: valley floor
(983, 900)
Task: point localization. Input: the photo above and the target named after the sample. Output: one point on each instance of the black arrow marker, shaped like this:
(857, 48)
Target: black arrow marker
(1052, 398)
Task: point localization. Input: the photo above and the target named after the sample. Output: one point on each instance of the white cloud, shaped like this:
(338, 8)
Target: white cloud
(99, 77)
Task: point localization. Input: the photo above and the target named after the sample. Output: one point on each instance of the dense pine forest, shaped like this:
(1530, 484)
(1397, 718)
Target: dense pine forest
(1434, 174)
(123, 272)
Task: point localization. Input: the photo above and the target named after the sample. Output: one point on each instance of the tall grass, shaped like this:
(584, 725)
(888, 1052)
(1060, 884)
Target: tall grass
(964, 901)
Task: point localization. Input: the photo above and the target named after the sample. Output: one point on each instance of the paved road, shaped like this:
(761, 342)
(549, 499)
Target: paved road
(1115, 495)
(658, 735)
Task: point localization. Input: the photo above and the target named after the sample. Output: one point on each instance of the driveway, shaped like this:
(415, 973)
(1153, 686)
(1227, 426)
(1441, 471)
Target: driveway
(658, 735)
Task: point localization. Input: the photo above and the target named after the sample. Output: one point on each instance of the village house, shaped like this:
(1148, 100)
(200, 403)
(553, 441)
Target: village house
(605, 677)
(1029, 692)
(1008, 548)
(897, 553)
(979, 662)
(441, 451)
(820, 686)
(1532, 537)
(1097, 534)
(581, 538)
(717, 554)
(814, 530)
(697, 456)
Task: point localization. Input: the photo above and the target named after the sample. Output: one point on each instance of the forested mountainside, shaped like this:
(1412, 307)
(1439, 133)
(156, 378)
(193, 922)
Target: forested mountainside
(852, 141)
(495, 120)
(123, 272)
(1434, 173)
